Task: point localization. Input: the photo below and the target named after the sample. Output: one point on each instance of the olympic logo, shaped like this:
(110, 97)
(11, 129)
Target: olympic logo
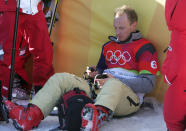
(118, 57)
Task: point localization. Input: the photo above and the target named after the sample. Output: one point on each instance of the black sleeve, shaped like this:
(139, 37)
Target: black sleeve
(101, 66)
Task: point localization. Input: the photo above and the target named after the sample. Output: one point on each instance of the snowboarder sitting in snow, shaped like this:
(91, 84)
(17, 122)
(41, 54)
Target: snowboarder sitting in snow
(131, 64)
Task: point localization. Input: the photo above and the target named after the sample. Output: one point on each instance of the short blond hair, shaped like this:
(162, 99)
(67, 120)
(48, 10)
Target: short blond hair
(131, 13)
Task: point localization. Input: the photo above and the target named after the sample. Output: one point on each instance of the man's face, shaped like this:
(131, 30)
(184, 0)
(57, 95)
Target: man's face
(123, 27)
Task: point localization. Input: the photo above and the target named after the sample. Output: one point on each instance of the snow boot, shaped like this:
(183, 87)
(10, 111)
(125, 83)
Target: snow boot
(24, 118)
(94, 116)
(3, 113)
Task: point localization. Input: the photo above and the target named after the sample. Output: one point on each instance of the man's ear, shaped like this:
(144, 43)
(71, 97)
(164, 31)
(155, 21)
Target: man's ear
(134, 26)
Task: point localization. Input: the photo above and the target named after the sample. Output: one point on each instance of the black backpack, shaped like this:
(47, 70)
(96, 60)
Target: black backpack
(69, 109)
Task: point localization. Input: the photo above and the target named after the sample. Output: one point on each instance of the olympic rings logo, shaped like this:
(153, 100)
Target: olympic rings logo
(118, 57)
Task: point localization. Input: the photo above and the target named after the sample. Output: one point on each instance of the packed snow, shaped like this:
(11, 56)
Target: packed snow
(148, 118)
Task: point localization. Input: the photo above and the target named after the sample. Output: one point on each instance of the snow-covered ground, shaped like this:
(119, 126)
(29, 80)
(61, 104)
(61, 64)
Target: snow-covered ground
(147, 119)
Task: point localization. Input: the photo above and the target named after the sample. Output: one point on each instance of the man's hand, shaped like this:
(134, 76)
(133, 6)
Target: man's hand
(91, 71)
(101, 81)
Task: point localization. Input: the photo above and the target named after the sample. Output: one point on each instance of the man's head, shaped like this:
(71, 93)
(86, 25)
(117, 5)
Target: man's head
(125, 22)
